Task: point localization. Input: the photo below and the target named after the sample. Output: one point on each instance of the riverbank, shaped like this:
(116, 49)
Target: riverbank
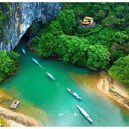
(101, 82)
(113, 90)
(17, 119)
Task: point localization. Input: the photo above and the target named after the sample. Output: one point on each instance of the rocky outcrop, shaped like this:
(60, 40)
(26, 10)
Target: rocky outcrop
(20, 17)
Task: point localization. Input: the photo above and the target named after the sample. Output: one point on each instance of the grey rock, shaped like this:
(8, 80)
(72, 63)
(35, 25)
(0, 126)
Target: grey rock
(20, 18)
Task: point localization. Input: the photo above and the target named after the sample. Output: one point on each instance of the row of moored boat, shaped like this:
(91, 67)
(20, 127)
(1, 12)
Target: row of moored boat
(81, 110)
(36, 62)
(74, 94)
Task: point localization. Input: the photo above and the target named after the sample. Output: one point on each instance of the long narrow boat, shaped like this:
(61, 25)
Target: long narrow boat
(23, 51)
(74, 94)
(84, 113)
(36, 62)
(50, 75)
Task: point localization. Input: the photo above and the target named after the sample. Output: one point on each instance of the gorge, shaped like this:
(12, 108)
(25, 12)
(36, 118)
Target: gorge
(75, 55)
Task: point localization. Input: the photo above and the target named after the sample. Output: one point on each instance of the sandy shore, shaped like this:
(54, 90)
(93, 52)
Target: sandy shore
(17, 119)
(103, 84)
(113, 90)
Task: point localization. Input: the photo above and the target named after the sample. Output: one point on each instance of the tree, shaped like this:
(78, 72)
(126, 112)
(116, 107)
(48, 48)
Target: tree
(8, 61)
(14, 56)
(120, 70)
(6, 64)
(98, 57)
(67, 20)
(72, 49)
(121, 37)
(111, 21)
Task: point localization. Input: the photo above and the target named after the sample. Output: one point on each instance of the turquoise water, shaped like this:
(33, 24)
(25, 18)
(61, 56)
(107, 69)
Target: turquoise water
(33, 86)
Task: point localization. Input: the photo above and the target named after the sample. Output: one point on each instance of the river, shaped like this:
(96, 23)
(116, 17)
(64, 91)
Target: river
(32, 86)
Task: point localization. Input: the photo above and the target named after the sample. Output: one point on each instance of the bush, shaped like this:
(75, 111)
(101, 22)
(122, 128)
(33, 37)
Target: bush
(119, 70)
(67, 21)
(69, 48)
(111, 21)
(7, 63)
(14, 56)
(98, 57)
(121, 37)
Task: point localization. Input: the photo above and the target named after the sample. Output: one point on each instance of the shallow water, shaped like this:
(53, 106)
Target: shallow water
(33, 86)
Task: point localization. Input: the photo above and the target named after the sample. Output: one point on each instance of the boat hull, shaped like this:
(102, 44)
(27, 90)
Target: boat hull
(84, 114)
(75, 95)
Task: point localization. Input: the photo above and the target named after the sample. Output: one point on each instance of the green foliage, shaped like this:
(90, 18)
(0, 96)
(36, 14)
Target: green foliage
(3, 16)
(47, 44)
(14, 56)
(2, 19)
(72, 49)
(67, 20)
(82, 31)
(7, 63)
(119, 70)
(69, 48)
(111, 21)
(98, 57)
(121, 37)
(104, 37)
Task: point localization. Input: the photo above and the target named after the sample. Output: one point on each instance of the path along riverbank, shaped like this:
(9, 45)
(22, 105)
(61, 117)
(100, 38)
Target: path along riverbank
(107, 86)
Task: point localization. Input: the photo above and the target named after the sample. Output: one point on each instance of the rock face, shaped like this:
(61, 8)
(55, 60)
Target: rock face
(21, 16)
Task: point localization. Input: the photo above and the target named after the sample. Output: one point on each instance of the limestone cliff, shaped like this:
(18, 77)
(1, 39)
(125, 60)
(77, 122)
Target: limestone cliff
(20, 17)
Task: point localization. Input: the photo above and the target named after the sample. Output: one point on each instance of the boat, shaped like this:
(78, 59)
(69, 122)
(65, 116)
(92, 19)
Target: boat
(15, 104)
(23, 51)
(84, 113)
(74, 94)
(50, 75)
(36, 62)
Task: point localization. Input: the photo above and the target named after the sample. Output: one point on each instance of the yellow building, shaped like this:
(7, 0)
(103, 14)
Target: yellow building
(87, 21)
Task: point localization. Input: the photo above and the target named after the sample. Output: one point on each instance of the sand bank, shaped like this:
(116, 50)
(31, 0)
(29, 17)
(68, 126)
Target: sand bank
(103, 84)
(113, 90)
(17, 119)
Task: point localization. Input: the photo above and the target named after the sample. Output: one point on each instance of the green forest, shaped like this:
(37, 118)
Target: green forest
(104, 46)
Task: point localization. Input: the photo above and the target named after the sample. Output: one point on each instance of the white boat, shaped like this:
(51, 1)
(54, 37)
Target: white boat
(23, 51)
(36, 62)
(74, 94)
(84, 113)
(50, 75)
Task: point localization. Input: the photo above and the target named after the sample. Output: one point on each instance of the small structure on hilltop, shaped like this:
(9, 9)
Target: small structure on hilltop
(88, 21)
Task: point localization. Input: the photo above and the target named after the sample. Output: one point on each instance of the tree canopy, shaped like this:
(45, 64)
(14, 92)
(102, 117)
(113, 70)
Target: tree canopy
(120, 70)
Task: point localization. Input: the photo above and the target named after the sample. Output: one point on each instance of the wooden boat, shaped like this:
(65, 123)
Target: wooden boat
(84, 113)
(15, 104)
(74, 94)
(50, 75)
(36, 62)
(23, 51)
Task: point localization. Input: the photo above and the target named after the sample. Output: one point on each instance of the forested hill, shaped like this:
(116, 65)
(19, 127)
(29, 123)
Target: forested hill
(104, 46)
